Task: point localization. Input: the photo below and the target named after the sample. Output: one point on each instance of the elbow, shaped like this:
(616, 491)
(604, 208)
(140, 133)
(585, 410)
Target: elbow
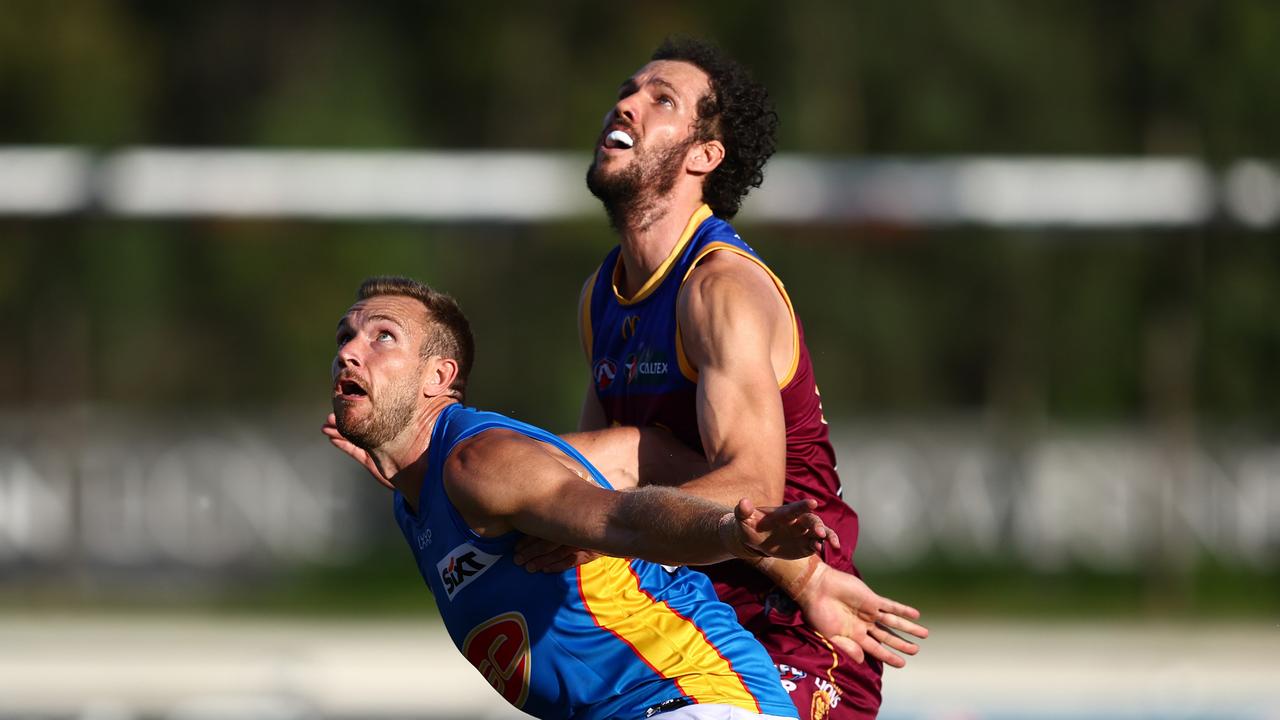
(771, 491)
(769, 487)
(764, 488)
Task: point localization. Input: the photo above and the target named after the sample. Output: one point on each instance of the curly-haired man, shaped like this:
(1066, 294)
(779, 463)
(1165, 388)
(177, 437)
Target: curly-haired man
(686, 328)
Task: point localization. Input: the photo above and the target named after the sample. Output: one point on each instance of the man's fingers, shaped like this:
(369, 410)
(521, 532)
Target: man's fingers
(893, 618)
(559, 566)
(899, 609)
(343, 444)
(539, 555)
(833, 538)
(744, 509)
(791, 512)
(565, 558)
(893, 640)
(848, 647)
(530, 549)
(880, 652)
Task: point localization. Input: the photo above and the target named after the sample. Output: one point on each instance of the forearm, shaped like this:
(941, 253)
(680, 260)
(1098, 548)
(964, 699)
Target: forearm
(671, 527)
(792, 576)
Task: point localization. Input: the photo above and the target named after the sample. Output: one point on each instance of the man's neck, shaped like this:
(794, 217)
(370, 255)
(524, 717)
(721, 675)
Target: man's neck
(403, 460)
(645, 246)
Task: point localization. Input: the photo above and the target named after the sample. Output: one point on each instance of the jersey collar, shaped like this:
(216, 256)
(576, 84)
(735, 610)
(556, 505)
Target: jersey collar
(702, 213)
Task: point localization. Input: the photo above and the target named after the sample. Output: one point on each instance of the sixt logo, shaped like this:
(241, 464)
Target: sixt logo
(462, 565)
(605, 371)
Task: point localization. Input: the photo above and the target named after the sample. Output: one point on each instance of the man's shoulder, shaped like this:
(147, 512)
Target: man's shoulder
(724, 273)
(481, 456)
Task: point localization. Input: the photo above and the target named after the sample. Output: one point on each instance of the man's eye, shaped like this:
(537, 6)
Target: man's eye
(343, 339)
(384, 336)
(666, 100)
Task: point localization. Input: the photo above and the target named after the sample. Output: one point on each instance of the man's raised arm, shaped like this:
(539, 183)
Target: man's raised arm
(735, 329)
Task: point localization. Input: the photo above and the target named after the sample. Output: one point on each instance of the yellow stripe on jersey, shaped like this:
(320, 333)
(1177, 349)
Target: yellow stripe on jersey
(686, 367)
(669, 644)
(655, 280)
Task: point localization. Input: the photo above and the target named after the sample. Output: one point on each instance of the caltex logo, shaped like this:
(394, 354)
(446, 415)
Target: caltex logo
(646, 367)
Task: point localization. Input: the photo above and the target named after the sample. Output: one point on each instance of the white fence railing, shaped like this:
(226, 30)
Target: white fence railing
(536, 186)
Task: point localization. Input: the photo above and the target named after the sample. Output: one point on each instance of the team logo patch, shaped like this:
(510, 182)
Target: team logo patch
(647, 367)
(826, 696)
(790, 676)
(821, 708)
(629, 367)
(499, 649)
(629, 326)
(605, 371)
(462, 565)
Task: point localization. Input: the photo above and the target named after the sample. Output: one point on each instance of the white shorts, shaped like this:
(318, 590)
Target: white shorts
(714, 712)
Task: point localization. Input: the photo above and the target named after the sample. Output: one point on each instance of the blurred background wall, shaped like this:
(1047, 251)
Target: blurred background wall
(1034, 247)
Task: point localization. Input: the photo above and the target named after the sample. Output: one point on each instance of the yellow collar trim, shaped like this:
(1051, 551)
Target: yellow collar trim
(702, 213)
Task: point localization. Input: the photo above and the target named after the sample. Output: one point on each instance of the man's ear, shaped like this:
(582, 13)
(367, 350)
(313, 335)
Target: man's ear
(705, 157)
(440, 376)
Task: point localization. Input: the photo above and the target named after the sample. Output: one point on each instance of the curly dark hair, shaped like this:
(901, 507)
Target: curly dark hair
(738, 113)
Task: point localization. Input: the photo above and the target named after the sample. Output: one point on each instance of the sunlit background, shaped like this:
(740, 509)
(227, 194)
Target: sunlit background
(1035, 247)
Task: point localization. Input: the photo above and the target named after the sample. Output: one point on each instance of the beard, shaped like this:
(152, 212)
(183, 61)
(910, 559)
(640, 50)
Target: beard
(387, 418)
(632, 196)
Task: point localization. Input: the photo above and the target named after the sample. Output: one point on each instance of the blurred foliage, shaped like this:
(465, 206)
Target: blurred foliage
(1087, 327)
(916, 77)
(1110, 325)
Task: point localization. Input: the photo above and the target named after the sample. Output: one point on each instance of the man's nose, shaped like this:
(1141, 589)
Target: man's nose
(348, 355)
(625, 108)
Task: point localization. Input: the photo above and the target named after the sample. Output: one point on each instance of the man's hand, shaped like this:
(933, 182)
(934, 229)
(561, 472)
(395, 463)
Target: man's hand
(856, 620)
(330, 429)
(791, 531)
(538, 555)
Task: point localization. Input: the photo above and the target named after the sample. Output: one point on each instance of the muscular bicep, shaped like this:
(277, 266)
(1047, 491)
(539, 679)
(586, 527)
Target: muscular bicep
(729, 326)
(501, 481)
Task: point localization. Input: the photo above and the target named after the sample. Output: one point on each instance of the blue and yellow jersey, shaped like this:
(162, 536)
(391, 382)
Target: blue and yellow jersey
(614, 638)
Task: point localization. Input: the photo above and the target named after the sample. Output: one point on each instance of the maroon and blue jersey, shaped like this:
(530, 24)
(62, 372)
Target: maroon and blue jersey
(642, 377)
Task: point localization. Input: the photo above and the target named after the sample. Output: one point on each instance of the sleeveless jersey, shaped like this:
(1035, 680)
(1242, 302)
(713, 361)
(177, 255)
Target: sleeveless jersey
(613, 638)
(642, 377)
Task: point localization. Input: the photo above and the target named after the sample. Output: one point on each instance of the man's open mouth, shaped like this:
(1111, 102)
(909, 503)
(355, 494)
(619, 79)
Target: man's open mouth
(618, 139)
(349, 389)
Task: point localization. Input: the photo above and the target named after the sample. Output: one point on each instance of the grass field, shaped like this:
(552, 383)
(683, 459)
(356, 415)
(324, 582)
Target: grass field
(193, 667)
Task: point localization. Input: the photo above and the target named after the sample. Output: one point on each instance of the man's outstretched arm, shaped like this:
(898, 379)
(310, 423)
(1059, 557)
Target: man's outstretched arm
(501, 480)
